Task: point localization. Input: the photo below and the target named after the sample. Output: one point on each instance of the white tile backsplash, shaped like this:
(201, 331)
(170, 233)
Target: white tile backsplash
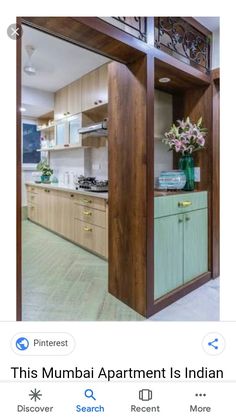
(88, 162)
(67, 161)
(99, 162)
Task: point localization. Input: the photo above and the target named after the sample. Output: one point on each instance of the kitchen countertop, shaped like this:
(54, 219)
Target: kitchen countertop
(65, 188)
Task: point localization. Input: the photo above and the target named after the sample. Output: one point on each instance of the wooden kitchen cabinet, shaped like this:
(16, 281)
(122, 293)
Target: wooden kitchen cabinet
(61, 103)
(68, 100)
(181, 240)
(80, 218)
(74, 97)
(47, 208)
(94, 88)
(65, 224)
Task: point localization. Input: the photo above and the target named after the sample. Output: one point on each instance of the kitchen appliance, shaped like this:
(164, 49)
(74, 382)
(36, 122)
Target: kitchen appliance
(171, 180)
(90, 184)
(99, 129)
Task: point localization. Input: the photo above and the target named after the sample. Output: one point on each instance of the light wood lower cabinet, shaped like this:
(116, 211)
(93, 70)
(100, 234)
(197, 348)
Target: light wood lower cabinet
(90, 215)
(65, 222)
(80, 218)
(90, 236)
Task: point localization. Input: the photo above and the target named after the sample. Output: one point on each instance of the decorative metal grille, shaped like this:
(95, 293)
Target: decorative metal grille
(136, 26)
(176, 36)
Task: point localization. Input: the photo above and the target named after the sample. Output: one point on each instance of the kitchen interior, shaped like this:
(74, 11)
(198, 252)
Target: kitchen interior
(65, 190)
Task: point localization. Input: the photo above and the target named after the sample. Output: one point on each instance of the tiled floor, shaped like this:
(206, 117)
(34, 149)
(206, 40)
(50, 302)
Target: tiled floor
(61, 281)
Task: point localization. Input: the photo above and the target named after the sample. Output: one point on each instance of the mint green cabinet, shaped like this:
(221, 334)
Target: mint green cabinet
(181, 241)
(195, 244)
(168, 254)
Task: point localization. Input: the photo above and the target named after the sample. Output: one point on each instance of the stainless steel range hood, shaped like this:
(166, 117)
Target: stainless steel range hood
(99, 129)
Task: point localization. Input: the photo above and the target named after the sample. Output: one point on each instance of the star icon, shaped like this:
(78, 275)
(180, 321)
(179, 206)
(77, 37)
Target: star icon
(35, 395)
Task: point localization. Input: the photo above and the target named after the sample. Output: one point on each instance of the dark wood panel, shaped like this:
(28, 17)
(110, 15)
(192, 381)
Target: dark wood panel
(216, 181)
(215, 74)
(150, 183)
(91, 33)
(18, 181)
(127, 148)
(183, 76)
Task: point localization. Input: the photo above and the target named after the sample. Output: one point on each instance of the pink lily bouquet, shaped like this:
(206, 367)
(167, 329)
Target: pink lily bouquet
(186, 137)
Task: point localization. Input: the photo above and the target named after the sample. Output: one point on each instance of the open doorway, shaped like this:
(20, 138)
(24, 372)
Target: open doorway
(65, 182)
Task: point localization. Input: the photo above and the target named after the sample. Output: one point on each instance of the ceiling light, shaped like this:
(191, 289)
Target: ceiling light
(22, 109)
(29, 68)
(164, 80)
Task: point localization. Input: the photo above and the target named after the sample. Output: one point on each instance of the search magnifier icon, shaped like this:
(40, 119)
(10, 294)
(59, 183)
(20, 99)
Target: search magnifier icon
(89, 394)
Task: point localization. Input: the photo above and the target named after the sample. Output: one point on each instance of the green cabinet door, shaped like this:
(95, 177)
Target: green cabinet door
(195, 244)
(168, 254)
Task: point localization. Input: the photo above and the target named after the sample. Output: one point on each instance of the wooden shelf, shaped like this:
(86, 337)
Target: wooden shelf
(45, 128)
(71, 147)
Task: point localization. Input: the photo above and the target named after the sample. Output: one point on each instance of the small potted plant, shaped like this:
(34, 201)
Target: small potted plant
(46, 171)
(186, 138)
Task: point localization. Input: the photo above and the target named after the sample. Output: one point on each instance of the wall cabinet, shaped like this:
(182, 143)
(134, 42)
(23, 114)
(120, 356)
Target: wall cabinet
(68, 100)
(61, 103)
(67, 130)
(94, 88)
(181, 240)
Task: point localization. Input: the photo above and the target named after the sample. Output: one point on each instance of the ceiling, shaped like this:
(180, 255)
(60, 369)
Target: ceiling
(57, 62)
(211, 22)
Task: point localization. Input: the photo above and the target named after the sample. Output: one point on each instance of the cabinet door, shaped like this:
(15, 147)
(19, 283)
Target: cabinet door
(168, 254)
(32, 212)
(47, 209)
(61, 133)
(195, 244)
(74, 124)
(61, 103)
(74, 97)
(95, 88)
(65, 221)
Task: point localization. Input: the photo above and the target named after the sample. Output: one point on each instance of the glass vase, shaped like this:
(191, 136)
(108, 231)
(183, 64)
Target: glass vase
(186, 164)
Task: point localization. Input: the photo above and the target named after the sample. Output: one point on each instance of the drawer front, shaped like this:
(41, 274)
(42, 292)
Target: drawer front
(90, 215)
(32, 197)
(181, 203)
(91, 202)
(90, 236)
(32, 189)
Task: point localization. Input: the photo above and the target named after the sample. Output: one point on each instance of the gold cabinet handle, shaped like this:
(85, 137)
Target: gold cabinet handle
(184, 204)
(87, 213)
(88, 229)
(87, 201)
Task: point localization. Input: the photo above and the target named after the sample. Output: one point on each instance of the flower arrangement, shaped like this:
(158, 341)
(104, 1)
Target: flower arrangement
(186, 137)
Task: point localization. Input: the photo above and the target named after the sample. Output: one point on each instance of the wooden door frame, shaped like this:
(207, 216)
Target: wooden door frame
(122, 47)
(130, 51)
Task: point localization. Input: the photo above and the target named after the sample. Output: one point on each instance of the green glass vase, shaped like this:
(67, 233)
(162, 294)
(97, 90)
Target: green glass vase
(186, 164)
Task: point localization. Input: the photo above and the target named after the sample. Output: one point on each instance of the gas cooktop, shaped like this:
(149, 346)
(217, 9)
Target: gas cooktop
(91, 184)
